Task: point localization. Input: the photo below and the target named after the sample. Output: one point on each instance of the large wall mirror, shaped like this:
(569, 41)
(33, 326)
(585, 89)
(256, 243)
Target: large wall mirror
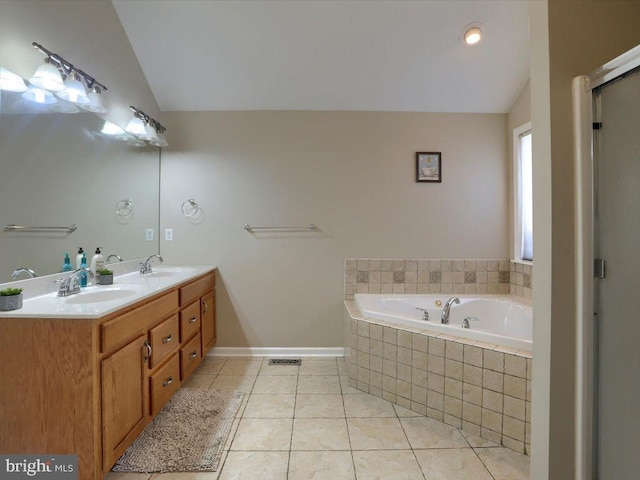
(58, 170)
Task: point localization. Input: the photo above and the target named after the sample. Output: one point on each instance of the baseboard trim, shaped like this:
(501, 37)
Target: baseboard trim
(276, 352)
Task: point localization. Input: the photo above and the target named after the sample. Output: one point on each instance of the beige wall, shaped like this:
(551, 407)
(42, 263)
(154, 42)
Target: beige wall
(86, 33)
(350, 173)
(582, 35)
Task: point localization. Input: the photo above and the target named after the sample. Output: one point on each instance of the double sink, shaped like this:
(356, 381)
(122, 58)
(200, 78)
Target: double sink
(98, 300)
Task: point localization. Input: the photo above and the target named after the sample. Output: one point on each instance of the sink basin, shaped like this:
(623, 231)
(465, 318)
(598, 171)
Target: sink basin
(100, 296)
(168, 272)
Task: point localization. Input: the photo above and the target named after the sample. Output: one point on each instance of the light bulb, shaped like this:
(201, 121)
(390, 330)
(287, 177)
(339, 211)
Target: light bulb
(136, 127)
(73, 91)
(38, 95)
(472, 36)
(48, 77)
(11, 82)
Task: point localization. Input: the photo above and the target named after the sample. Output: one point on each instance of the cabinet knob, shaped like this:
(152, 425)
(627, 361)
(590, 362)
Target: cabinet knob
(167, 339)
(168, 381)
(193, 355)
(149, 351)
(193, 320)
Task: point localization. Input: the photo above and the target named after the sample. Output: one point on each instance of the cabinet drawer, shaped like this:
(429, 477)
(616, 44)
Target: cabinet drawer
(196, 289)
(164, 383)
(189, 321)
(116, 331)
(190, 356)
(163, 340)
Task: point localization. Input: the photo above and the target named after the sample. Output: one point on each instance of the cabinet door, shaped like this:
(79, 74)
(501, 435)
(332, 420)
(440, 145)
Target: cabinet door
(208, 320)
(123, 399)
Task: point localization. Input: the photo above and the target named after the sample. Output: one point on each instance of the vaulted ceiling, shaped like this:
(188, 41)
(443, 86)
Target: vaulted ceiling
(201, 55)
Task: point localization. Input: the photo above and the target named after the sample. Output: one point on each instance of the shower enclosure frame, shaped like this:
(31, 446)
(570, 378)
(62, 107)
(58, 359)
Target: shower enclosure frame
(585, 113)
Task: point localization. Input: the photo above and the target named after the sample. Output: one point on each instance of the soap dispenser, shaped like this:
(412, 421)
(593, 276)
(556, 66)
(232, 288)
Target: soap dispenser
(66, 266)
(97, 261)
(83, 275)
(79, 257)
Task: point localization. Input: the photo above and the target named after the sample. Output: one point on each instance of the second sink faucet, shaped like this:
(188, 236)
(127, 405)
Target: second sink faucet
(71, 283)
(447, 307)
(145, 267)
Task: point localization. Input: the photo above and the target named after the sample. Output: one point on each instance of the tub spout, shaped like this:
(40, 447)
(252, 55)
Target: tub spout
(447, 307)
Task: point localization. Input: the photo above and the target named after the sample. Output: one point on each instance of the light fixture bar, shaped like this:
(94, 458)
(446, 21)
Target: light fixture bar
(148, 120)
(67, 68)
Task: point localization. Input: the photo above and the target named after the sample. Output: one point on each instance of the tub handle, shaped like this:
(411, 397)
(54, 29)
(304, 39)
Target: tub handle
(425, 313)
(465, 322)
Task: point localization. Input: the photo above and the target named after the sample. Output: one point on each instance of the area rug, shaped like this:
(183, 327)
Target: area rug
(187, 435)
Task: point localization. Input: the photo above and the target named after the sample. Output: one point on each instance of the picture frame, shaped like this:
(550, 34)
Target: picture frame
(429, 167)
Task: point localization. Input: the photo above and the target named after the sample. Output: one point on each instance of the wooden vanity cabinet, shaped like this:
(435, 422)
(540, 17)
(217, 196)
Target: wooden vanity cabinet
(90, 386)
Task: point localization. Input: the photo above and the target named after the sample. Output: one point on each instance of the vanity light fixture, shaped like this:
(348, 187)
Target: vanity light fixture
(95, 105)
(111, 129)
(69, 82)
(147, 128)
(472, 34)
(11, 82)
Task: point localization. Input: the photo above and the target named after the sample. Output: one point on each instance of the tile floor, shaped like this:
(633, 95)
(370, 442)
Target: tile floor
(306, 423)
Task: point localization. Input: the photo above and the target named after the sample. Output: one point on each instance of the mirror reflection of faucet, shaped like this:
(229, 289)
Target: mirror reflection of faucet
(113, 255)
(16, 273)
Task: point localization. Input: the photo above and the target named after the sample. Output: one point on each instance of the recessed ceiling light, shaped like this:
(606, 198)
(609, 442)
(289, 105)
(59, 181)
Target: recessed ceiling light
(472, 34)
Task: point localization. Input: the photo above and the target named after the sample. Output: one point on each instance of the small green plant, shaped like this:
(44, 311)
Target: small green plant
(105, 271)
(9, 292)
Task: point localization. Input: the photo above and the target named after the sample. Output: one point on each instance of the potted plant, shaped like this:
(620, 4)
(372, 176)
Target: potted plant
(10, 299)
(104, 276)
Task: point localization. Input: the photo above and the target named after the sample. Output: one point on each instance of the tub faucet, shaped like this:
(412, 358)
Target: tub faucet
(447, 307)
(16, 273)
(425, 313)
(145, 267)
(113, 255)
(71, 283)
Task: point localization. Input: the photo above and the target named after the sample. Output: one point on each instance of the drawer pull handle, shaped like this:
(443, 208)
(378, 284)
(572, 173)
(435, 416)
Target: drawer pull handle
(167, 339)
(205, 307)
(149, 351)
(193, 320)
(168, 381)
(193, 355)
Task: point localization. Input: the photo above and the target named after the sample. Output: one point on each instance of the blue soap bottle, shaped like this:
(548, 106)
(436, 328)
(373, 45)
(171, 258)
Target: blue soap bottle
(66, 266)
(83, 275)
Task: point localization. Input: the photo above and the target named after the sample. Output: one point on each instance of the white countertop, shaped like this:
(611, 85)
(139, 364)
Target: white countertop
(127, 289)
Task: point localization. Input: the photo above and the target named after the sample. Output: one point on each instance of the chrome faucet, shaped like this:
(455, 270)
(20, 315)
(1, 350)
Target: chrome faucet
(447, 307)
(113, 255)
(467, 320)
(425, 313)
(145, 267)
(71, 284)
(16, 273)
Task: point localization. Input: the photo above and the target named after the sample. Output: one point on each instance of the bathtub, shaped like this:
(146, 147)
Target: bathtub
(502, 320)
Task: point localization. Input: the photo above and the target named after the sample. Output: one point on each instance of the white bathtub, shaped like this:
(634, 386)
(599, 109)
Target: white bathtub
(502, 320)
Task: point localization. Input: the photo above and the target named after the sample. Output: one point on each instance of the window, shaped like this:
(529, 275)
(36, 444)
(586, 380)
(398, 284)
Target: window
(523, 189)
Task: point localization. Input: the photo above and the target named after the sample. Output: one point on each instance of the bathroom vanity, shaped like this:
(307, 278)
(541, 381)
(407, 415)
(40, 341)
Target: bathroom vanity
(76, 380)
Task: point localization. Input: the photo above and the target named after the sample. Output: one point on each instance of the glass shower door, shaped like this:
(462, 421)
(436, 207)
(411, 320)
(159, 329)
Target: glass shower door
(617, 241)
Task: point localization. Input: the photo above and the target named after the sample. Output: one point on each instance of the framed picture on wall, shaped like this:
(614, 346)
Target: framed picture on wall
(429, 167)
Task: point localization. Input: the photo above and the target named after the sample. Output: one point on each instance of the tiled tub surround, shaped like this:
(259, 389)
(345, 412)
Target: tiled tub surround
(368, 275)
(521, 279)
(411, 276)
(482, 388)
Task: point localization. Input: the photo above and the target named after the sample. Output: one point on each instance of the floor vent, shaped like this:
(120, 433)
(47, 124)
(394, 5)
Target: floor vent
(285, 361)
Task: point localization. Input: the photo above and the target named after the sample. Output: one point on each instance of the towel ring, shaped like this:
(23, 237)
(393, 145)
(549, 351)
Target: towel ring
(124, 207)
(190, 208)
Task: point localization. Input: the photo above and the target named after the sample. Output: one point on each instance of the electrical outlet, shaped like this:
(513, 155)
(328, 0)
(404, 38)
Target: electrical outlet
(168, 234)
(149, 234)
